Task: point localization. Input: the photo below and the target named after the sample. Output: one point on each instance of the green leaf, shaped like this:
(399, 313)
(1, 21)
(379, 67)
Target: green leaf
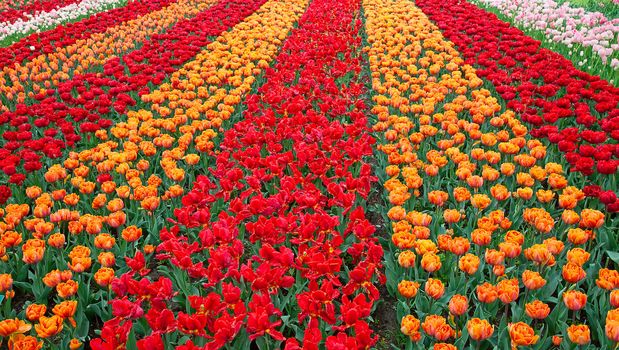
(82, 328)
(614, 256)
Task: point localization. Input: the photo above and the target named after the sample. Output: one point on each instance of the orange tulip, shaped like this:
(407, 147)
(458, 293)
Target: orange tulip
(444, 332)
(35, 311)
(578, 256)
(396, 213)
(438, 198)
(116, 219)
(510, 249)
(407, 259)
(149, 249)
(487, 293)
(403, 240)
(591, 219)
(459, 245)
(540, 254)
(75, 344)
(479, 329)
(57, 240)
(607, 279)
(105, 241)
(48, 326)
(12, 326)
(532, 280)
(508, 169)
(578, 236)
(424, 246)
(573, 273)
(579, 334)
(574, 300)
(33, 192)
(537, 310)
(6, 282)
(557, 181)
(480, 201)
(508, 290)
(612, 325)
(481, 237)
(524, 193)
(444, 346)
(451, 216)
(494, 257)
(115, 205)
(434, 288)
(150, 203)
(522, 334)
(458, 304)
(24, 342)
(67, 289)
(432, 323)
(58, 195)
(79, 251)
(570, 217)
(106, 259)
(52, 278)
(10, 239)
(108, 187)
(461, 194)
(94, 226)
(104, 276)
(408, 289)
(500, 192)
(410, 327)
(33, 251)
(71, 199)
(475, 181)
(431, 262)
(614, 298)
(554, 245)
(421, 232)
(545, 196)
(469, 263)
(131, 233)
(75, 227)
(66, 310)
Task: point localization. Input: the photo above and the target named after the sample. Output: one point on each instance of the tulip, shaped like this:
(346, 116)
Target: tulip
(104, 276)
(25, 342)
(75, 344)
(35, 311)
(67, 289)
(408, 289)
(573, 273)
(410, 327)
(66, 310)
(48, 326)
(522, 334)
(458, 305)
(579, 334)
(131, 233)
(537, 310)
(479, 329)
(9, 327)
(574, 300)
(487, 293)
(434, 288)
(430, 262)
(406, 259)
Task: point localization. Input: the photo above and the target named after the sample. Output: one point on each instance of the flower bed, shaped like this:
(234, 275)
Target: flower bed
(573, 110)
(492, 246)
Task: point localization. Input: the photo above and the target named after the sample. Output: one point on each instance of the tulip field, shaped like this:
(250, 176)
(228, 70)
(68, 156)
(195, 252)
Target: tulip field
(309, 174)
